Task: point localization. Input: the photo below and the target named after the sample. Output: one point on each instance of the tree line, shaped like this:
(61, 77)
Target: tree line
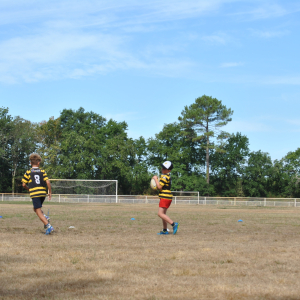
(84, 145)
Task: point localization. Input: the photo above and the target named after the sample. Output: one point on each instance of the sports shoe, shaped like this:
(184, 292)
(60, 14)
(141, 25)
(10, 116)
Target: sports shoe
(48, 218)
(163, 232)
(49, 230)
(175, 228)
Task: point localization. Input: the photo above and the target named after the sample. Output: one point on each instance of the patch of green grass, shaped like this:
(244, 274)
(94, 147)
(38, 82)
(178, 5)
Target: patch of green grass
(17, 202)
(74, 260)
(30, 202)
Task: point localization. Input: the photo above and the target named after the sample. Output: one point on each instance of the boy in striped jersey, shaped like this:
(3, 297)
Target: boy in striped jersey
(165, 195)
(37, 180)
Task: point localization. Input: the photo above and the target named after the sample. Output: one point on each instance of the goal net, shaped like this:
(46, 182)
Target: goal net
(186, 196)
(81, 190)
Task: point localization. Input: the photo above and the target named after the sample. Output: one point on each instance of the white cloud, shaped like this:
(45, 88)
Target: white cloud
(264, 124)
(219, 38)
(177, 9)
(133, 11)
(47, 55)
(286, 80)
(268, 10)
(290, 97)
(256, 79)
(271, 34)
(295, 123)
(67, 39)
(247, 126)
(128, 116)
(231, 64)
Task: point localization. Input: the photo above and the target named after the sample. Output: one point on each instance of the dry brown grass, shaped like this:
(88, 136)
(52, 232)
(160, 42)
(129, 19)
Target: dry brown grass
(109, 256)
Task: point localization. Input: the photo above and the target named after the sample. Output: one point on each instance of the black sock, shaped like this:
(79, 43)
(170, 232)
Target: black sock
(173, 224)
(164, 230)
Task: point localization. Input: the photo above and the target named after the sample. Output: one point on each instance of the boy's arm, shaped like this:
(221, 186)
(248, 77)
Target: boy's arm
(49, 189)
(157, 182)
(25, 186)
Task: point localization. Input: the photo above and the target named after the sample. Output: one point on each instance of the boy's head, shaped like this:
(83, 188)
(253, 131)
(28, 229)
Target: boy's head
(35, 159)
(167, 166)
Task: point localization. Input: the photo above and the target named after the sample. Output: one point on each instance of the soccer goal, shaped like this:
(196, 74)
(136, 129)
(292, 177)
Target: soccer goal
(186, 196)
(81, 190)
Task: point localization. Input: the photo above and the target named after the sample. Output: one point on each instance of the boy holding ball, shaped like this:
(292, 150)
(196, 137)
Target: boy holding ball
(165, 195)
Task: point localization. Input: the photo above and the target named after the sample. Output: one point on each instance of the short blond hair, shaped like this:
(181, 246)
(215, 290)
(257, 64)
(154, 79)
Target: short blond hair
(35, 158)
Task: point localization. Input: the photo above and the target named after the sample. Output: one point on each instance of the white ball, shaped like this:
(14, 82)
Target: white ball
(153, 184)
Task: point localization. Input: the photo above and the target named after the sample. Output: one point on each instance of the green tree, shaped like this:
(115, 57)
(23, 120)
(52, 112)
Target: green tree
(201, 122)
(83, 145)
(293, 160)
(281, 180)
(138, 175)
(256, 175)
(6, 126)
(228, 166)
(23, 143)
(18, 140)
(77, 142)
(186, 156)
(286, 175)
(114, 155)
(49, 140)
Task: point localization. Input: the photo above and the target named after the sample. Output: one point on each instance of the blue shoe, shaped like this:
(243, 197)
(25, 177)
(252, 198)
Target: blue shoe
(49, 230)
(175, 228)
(163, 232)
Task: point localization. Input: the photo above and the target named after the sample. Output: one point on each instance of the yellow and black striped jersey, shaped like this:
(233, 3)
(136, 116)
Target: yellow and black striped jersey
(165, 182)
(36, 179)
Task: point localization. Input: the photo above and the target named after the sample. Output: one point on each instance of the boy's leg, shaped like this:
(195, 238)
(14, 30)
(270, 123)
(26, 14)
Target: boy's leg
(162, 211)
(164, 204)
(47, 217)
(162, 214)
(37, 207)
(39, 213)
(165, 224)
(165, 219)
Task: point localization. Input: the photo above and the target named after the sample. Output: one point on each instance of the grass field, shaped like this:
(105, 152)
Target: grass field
(109, 256)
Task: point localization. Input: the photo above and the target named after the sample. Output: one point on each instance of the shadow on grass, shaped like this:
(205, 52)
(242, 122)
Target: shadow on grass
(47, 202)
(66, 289)
(9, 259)
(269, 297)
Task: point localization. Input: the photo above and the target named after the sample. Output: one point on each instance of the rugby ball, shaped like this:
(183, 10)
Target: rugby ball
(153, 184)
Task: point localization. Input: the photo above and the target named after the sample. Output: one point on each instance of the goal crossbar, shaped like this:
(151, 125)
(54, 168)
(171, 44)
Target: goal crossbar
(85, 187)
(185, 192)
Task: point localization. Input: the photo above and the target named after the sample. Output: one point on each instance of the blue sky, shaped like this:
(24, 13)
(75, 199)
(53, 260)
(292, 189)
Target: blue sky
(143, 61)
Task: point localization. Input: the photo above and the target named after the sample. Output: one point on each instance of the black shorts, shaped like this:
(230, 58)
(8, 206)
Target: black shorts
(38, 202)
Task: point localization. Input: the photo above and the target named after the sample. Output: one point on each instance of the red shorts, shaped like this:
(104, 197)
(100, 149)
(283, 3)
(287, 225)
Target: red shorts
(165, 203)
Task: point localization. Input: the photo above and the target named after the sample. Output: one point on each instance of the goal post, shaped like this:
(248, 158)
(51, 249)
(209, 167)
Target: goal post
(84, 190)
(186, 196)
